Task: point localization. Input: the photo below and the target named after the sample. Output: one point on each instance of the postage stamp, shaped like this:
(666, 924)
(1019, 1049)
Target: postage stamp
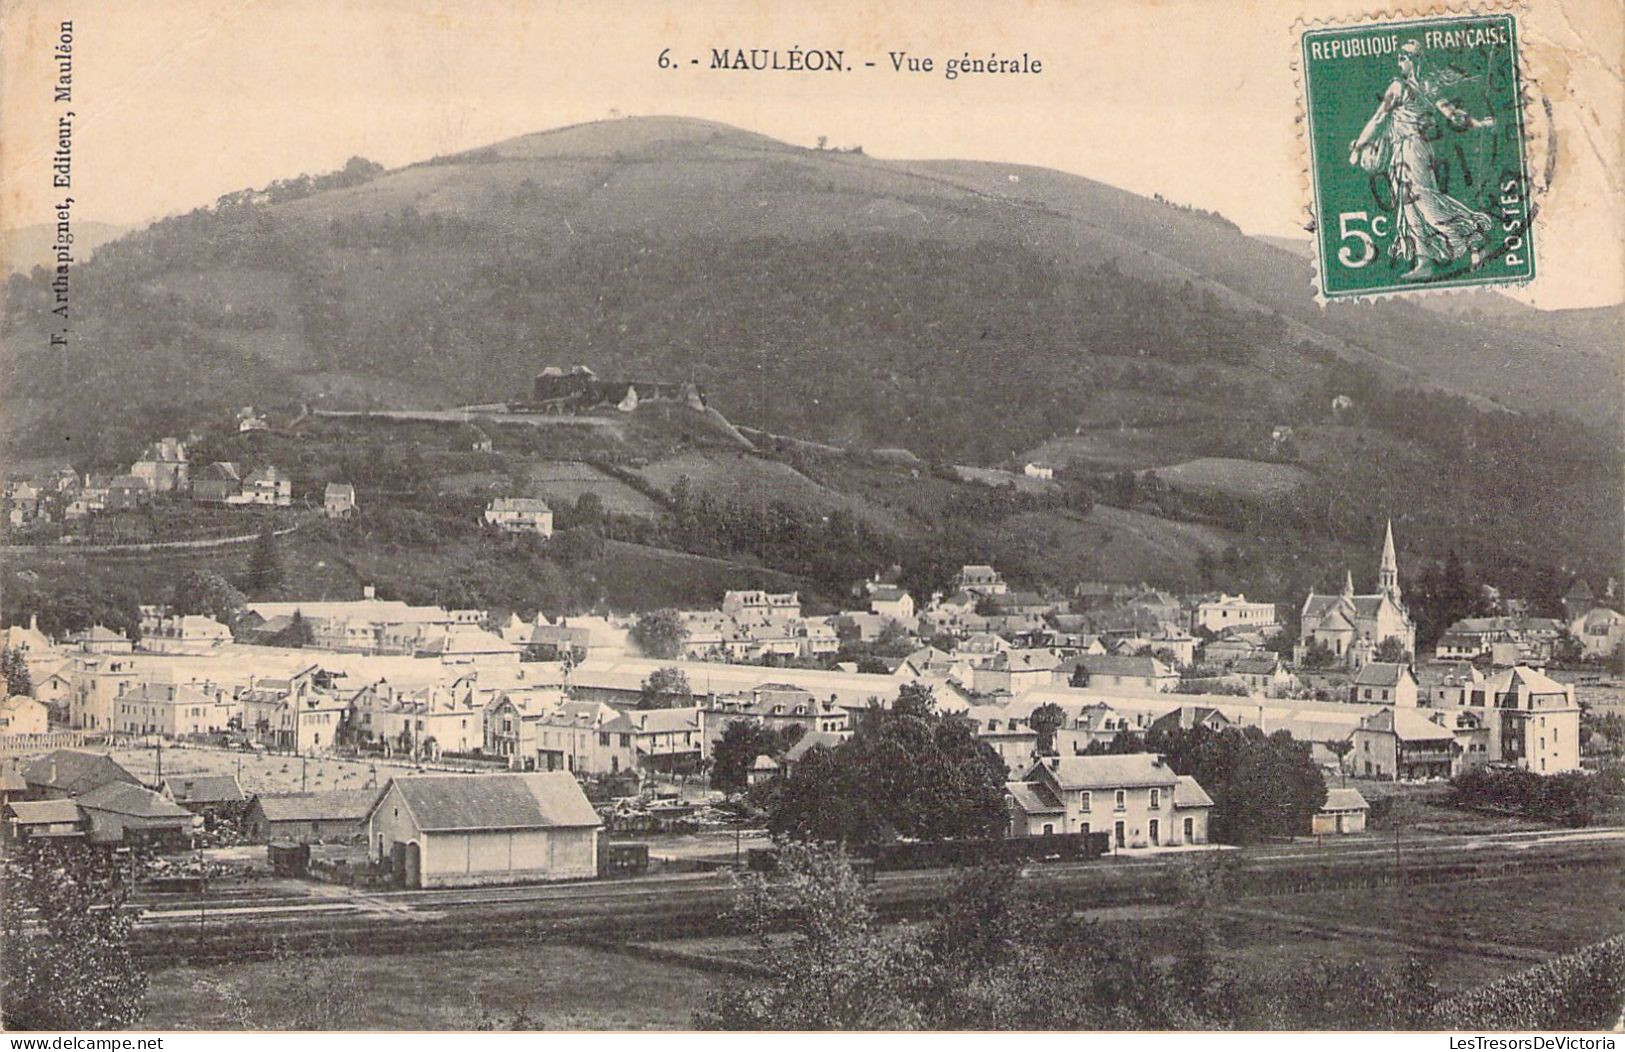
(1417, 159)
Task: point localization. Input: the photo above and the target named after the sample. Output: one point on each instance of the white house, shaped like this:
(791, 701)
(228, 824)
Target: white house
(21, 714)
(888, 600)
(520, 515)
(1600, 632)
(1136, 798)
(1233, 613)
(338, 500)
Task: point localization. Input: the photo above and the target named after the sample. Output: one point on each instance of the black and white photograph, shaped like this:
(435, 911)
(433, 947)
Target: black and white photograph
(1068, 516)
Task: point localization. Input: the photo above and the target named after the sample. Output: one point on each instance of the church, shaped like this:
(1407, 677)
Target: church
(1352, 626)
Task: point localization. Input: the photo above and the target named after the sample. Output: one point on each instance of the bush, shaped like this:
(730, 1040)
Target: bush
(1574, 799)
(1579, 991)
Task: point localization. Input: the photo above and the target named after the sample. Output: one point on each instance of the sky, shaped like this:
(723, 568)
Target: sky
(179, 101)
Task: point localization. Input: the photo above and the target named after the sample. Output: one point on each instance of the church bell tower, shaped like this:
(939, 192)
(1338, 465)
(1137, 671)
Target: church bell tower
(1388, 573)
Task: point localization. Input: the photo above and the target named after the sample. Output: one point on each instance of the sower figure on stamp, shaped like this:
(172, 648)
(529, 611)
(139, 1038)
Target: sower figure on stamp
(1431, 228)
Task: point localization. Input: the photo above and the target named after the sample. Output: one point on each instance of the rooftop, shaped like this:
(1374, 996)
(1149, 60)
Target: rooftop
(447, 802)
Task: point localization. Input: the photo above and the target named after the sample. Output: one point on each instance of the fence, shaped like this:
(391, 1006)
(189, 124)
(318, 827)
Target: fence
(24, 744)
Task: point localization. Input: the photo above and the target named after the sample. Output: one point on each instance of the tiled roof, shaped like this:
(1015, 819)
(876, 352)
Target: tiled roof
(1258, 666)
(136, 801)
(1530, 680)
(75, 772)
(29, 812)
(528, 505)
(1188, 792)
(1381, 674)
(654, 721)
(1406, 725)
(1113, 665)
(205, 789)
(1034, 798)
(1344, 800)
(810, 741)
(332, 805)
(1110, 772)
(444, 802)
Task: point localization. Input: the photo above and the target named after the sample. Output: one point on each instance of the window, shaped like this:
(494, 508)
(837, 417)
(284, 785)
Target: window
(1156, 799)
(1121, 800)
(1083, 801)
(603, 739)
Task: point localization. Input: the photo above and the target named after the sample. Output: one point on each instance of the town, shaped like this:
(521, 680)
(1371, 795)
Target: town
(293, 758)
(646, 575)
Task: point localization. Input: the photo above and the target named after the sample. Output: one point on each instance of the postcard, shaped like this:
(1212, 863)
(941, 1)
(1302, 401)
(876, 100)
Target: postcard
(1080, 515)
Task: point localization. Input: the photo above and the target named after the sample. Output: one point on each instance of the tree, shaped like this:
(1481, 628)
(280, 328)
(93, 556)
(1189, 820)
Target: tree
(1392, 648)
(68, 959)
(589, 512)
(666, 688)
(899, 775)
(296, 634)
(731, 758)
(208, 593)
(995, 957)
(1080, 676)
(661, 634)
(1046, 720)
(265, 565)
(14, 670)
(1261, 785)
(915, 699)
(577, 545)
(840, 968)
(1319, 655)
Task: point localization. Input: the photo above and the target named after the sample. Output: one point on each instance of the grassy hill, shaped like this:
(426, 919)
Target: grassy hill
(965, 311)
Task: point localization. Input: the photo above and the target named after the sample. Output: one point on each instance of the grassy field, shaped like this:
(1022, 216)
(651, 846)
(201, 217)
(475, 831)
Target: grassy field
(555, 987)
(1573, 909)
(562, 482)
(1250, 479)
(1462, 930)
(736, 475)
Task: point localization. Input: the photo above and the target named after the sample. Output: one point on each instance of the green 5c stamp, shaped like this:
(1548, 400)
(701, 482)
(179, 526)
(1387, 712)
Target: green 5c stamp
(1416, 155)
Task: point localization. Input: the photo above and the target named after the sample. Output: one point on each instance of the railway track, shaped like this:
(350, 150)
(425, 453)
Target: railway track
(196, 929)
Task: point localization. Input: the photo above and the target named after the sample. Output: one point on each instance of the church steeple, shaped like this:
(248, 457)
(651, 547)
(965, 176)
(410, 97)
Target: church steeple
(1348, 584)
(1388, 573)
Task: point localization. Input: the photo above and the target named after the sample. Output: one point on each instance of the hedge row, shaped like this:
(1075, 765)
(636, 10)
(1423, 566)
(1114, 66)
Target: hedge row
(1584, 990)
(1572, 799)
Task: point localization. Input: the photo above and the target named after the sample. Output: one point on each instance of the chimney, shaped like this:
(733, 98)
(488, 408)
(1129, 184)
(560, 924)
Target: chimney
(33, 622)
(53, 772)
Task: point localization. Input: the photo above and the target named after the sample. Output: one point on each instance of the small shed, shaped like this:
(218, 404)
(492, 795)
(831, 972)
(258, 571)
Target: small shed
(763, 769)
(205, 794)
(337, 814)
(1344, 812)
(120, 813)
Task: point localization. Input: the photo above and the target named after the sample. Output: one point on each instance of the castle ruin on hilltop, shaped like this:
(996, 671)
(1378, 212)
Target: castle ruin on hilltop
(553, 390)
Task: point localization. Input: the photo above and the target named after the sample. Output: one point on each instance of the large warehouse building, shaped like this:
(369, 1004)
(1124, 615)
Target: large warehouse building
(458, 830)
